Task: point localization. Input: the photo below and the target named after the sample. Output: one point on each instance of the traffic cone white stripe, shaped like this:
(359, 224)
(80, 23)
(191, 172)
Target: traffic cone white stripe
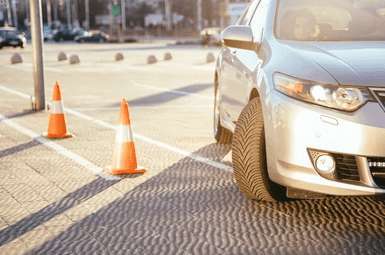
(57, 107)
(124, 134)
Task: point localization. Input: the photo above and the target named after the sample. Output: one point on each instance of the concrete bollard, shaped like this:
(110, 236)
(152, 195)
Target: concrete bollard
(167, 56)
(62, 56)
(210, 58)
(16, 59)
(151, 59)
(74, 59)
(119, 56)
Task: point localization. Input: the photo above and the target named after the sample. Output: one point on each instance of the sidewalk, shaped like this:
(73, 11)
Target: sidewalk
(53, 199)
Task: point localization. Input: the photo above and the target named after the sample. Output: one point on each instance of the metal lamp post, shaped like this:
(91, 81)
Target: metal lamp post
(37, 51)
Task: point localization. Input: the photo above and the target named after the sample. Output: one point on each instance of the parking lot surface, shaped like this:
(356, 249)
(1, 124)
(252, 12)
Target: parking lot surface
(55, 197)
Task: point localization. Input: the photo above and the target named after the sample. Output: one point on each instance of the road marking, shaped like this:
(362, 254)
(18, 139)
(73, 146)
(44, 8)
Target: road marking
(197, 66)
(141, 137)
(145, 107)
(46, 68)
(28, 67)
(153, 142)
(15, 92)
(58, 148)
(173, 91)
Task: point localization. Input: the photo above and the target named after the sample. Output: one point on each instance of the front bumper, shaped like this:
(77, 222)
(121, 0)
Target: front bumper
(294, 128)
(13, 42)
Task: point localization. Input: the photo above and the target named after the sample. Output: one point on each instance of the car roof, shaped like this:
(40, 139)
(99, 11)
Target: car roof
(8, 29)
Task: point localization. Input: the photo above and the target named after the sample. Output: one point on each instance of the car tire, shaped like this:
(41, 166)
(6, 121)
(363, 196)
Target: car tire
(249, 156)
(221, 134)
(82, 41)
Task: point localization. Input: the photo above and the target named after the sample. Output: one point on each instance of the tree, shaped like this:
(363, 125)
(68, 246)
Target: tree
(207, 10)
(135, 16)
(140, 11)
(187, 8)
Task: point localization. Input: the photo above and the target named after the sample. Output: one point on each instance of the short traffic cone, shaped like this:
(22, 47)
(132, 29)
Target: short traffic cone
(124, 159)
(57, 127)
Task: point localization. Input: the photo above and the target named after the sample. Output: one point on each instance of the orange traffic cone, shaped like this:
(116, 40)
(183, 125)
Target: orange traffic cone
(57, 127)
(124, 158)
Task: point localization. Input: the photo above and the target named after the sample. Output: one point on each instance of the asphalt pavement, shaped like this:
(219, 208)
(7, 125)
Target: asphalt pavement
(55, 197)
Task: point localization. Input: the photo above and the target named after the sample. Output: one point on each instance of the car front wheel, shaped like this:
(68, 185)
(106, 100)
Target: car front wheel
(249, 156)
(221, 134)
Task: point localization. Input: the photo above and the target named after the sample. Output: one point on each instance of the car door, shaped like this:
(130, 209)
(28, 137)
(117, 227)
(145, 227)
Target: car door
(98, 37)
(231, 76)
(243, 63)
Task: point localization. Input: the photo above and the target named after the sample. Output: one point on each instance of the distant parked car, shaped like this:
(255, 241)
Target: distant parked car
(47, 33)
(12, 37)
(1, 42)
(211, 36)
(92, 36)
(67, 34)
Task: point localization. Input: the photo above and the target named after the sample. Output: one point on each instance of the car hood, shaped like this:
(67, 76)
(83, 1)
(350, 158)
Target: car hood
(11, 37)
(353, 63)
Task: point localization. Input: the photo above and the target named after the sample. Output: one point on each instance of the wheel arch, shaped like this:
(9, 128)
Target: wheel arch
(215, 81)
(253, 94)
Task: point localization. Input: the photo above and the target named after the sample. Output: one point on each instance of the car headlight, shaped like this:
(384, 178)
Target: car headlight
(346, 98)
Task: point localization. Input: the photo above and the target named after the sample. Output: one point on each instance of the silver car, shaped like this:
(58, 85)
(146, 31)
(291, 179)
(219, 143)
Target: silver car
(300, 94)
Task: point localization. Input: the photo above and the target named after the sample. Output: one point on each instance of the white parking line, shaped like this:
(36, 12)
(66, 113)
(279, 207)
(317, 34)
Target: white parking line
(58, 148)
(146, 107)
(28, 67)
(154, 142)
(141, 137)
(47, 68)
(15, 92)
(173, 91)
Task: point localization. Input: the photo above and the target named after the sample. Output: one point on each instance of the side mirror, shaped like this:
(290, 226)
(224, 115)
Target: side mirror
(240, 37)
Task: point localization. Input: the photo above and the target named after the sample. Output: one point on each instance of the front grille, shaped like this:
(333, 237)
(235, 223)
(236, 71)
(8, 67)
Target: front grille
(379, 93)
(377, 169)
(346, 166)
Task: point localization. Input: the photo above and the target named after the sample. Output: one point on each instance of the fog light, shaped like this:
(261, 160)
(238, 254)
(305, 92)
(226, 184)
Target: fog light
(325, 163)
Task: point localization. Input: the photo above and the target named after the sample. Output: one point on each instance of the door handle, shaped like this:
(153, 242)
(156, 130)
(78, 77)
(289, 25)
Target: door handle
(233, 54)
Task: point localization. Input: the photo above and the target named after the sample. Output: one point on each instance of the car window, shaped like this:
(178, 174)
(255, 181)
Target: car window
(245, 18)
(10, 33)
(259, 18)
(330, 20)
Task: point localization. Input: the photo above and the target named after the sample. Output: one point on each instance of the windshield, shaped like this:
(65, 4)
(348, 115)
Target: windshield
(330, 20)
(9, 32)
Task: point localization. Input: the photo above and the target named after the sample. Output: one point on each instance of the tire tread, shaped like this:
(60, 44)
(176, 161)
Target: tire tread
(249, 157)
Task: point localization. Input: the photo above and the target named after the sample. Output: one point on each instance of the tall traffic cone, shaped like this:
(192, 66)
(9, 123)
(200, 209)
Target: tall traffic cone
(124, 159)
(57, 127)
